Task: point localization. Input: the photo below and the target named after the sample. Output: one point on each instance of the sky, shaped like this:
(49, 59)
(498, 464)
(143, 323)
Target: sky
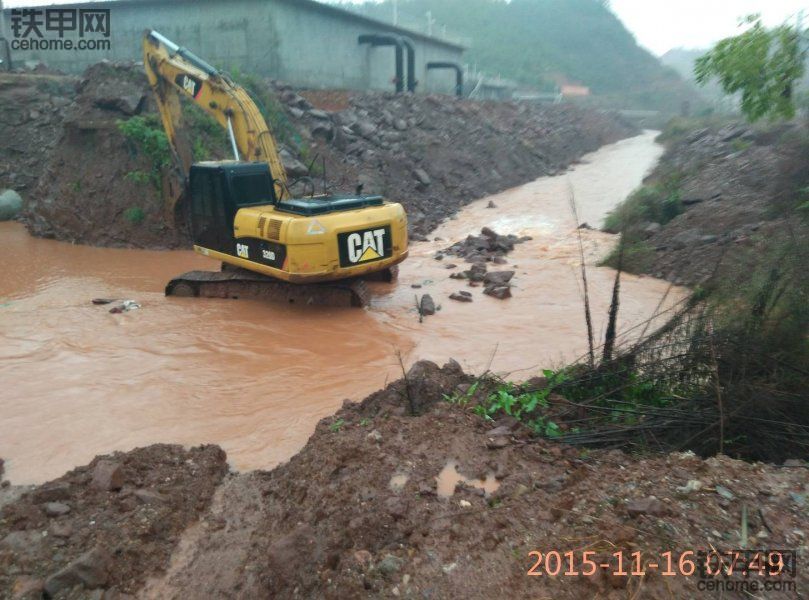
(660, 25)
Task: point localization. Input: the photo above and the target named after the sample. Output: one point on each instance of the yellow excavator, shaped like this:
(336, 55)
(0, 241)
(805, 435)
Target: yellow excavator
(312, 250)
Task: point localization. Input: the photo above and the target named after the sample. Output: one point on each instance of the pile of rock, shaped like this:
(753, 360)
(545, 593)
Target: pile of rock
(426, 151)
(489, 247)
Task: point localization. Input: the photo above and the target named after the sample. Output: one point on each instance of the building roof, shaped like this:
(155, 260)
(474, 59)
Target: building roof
(314, 5)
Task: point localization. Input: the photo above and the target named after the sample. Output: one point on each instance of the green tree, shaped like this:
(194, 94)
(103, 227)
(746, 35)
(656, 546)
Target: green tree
(761, 64)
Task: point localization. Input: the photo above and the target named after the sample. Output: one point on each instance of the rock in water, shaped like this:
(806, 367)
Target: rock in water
(461, 296)
(10, 205)
(427, 305)
(498, 277)
(501, 292)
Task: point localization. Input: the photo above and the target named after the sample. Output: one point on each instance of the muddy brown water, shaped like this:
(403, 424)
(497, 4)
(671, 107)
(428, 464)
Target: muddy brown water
(254, 377)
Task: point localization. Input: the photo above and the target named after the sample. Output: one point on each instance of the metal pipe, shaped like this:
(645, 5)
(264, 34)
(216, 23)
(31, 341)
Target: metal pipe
(232, 139)
(458, 74)
(388, 40)
(411, 63)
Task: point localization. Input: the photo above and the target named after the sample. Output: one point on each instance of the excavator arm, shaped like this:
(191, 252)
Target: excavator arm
(173, 71)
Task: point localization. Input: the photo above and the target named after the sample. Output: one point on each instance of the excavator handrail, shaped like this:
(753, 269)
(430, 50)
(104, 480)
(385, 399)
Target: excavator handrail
(172, 71)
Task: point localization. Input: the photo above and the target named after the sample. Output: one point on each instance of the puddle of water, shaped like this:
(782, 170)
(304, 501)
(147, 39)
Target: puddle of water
(450, 478)
(397, 482)
(256, 377)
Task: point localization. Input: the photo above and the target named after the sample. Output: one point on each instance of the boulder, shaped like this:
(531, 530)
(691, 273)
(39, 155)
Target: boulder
(319, 114)
(56, 509)
(427, 305)
(292, 165)
(91, 569)
(52, 492)
(498, 277)
(10, 205)
(108, 475)
(422, 177)
(461, 296)
(364, 128)
(501, 292)
(130, 104)
(651, 228)
(323, 129)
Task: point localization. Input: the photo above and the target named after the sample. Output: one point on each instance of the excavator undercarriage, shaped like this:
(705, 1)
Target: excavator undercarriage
(234, 282)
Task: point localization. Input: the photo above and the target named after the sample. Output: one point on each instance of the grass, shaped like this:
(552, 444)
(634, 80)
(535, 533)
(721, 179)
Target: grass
(659, 202)
(655, 203)
(146, 137)
(139, 177)
(134, 215)
(210, 138)
(638, 257)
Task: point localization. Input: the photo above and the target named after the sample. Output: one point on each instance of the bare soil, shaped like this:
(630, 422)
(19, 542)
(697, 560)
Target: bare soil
(73, 534)
(357, 512)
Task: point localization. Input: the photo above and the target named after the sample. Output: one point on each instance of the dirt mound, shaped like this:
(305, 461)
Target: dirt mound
(103, 186)
(358, 512)
(100, 187)
(107, 525)
(408, 495)
(32, 109)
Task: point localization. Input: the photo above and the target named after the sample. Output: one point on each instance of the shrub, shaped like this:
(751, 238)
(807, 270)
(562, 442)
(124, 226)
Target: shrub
(148, 138)
(134, 215)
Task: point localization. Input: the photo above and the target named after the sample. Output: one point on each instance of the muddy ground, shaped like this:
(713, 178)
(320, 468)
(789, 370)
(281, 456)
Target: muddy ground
(107, 525)
(84, 181)
(362, 512)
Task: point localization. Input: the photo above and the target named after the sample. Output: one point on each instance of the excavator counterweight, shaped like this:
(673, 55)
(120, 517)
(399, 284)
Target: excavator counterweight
(241, 212)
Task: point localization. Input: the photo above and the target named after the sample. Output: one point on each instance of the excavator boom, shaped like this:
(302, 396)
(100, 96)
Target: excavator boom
(173, 70)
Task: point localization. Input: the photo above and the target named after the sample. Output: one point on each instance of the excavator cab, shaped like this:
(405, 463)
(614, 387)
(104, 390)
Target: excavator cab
(218, 191)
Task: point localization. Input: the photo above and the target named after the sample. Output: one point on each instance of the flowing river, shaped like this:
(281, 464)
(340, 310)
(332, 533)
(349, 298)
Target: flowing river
(254, 377)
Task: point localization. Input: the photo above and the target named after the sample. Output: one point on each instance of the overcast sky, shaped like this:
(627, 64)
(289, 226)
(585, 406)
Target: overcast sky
(660, 25)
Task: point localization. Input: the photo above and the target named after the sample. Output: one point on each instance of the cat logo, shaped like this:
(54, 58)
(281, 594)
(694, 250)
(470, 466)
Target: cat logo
(242, 250)
(358, 247)
(191, 85)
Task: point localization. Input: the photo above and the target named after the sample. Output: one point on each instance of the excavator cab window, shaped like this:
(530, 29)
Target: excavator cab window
(252, 188)
(211, 224)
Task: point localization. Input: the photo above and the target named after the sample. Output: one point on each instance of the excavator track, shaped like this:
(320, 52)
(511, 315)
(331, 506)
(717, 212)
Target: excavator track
(241, 283)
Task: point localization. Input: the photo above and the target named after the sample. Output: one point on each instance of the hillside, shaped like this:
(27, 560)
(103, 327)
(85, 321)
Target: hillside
(537, 42)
